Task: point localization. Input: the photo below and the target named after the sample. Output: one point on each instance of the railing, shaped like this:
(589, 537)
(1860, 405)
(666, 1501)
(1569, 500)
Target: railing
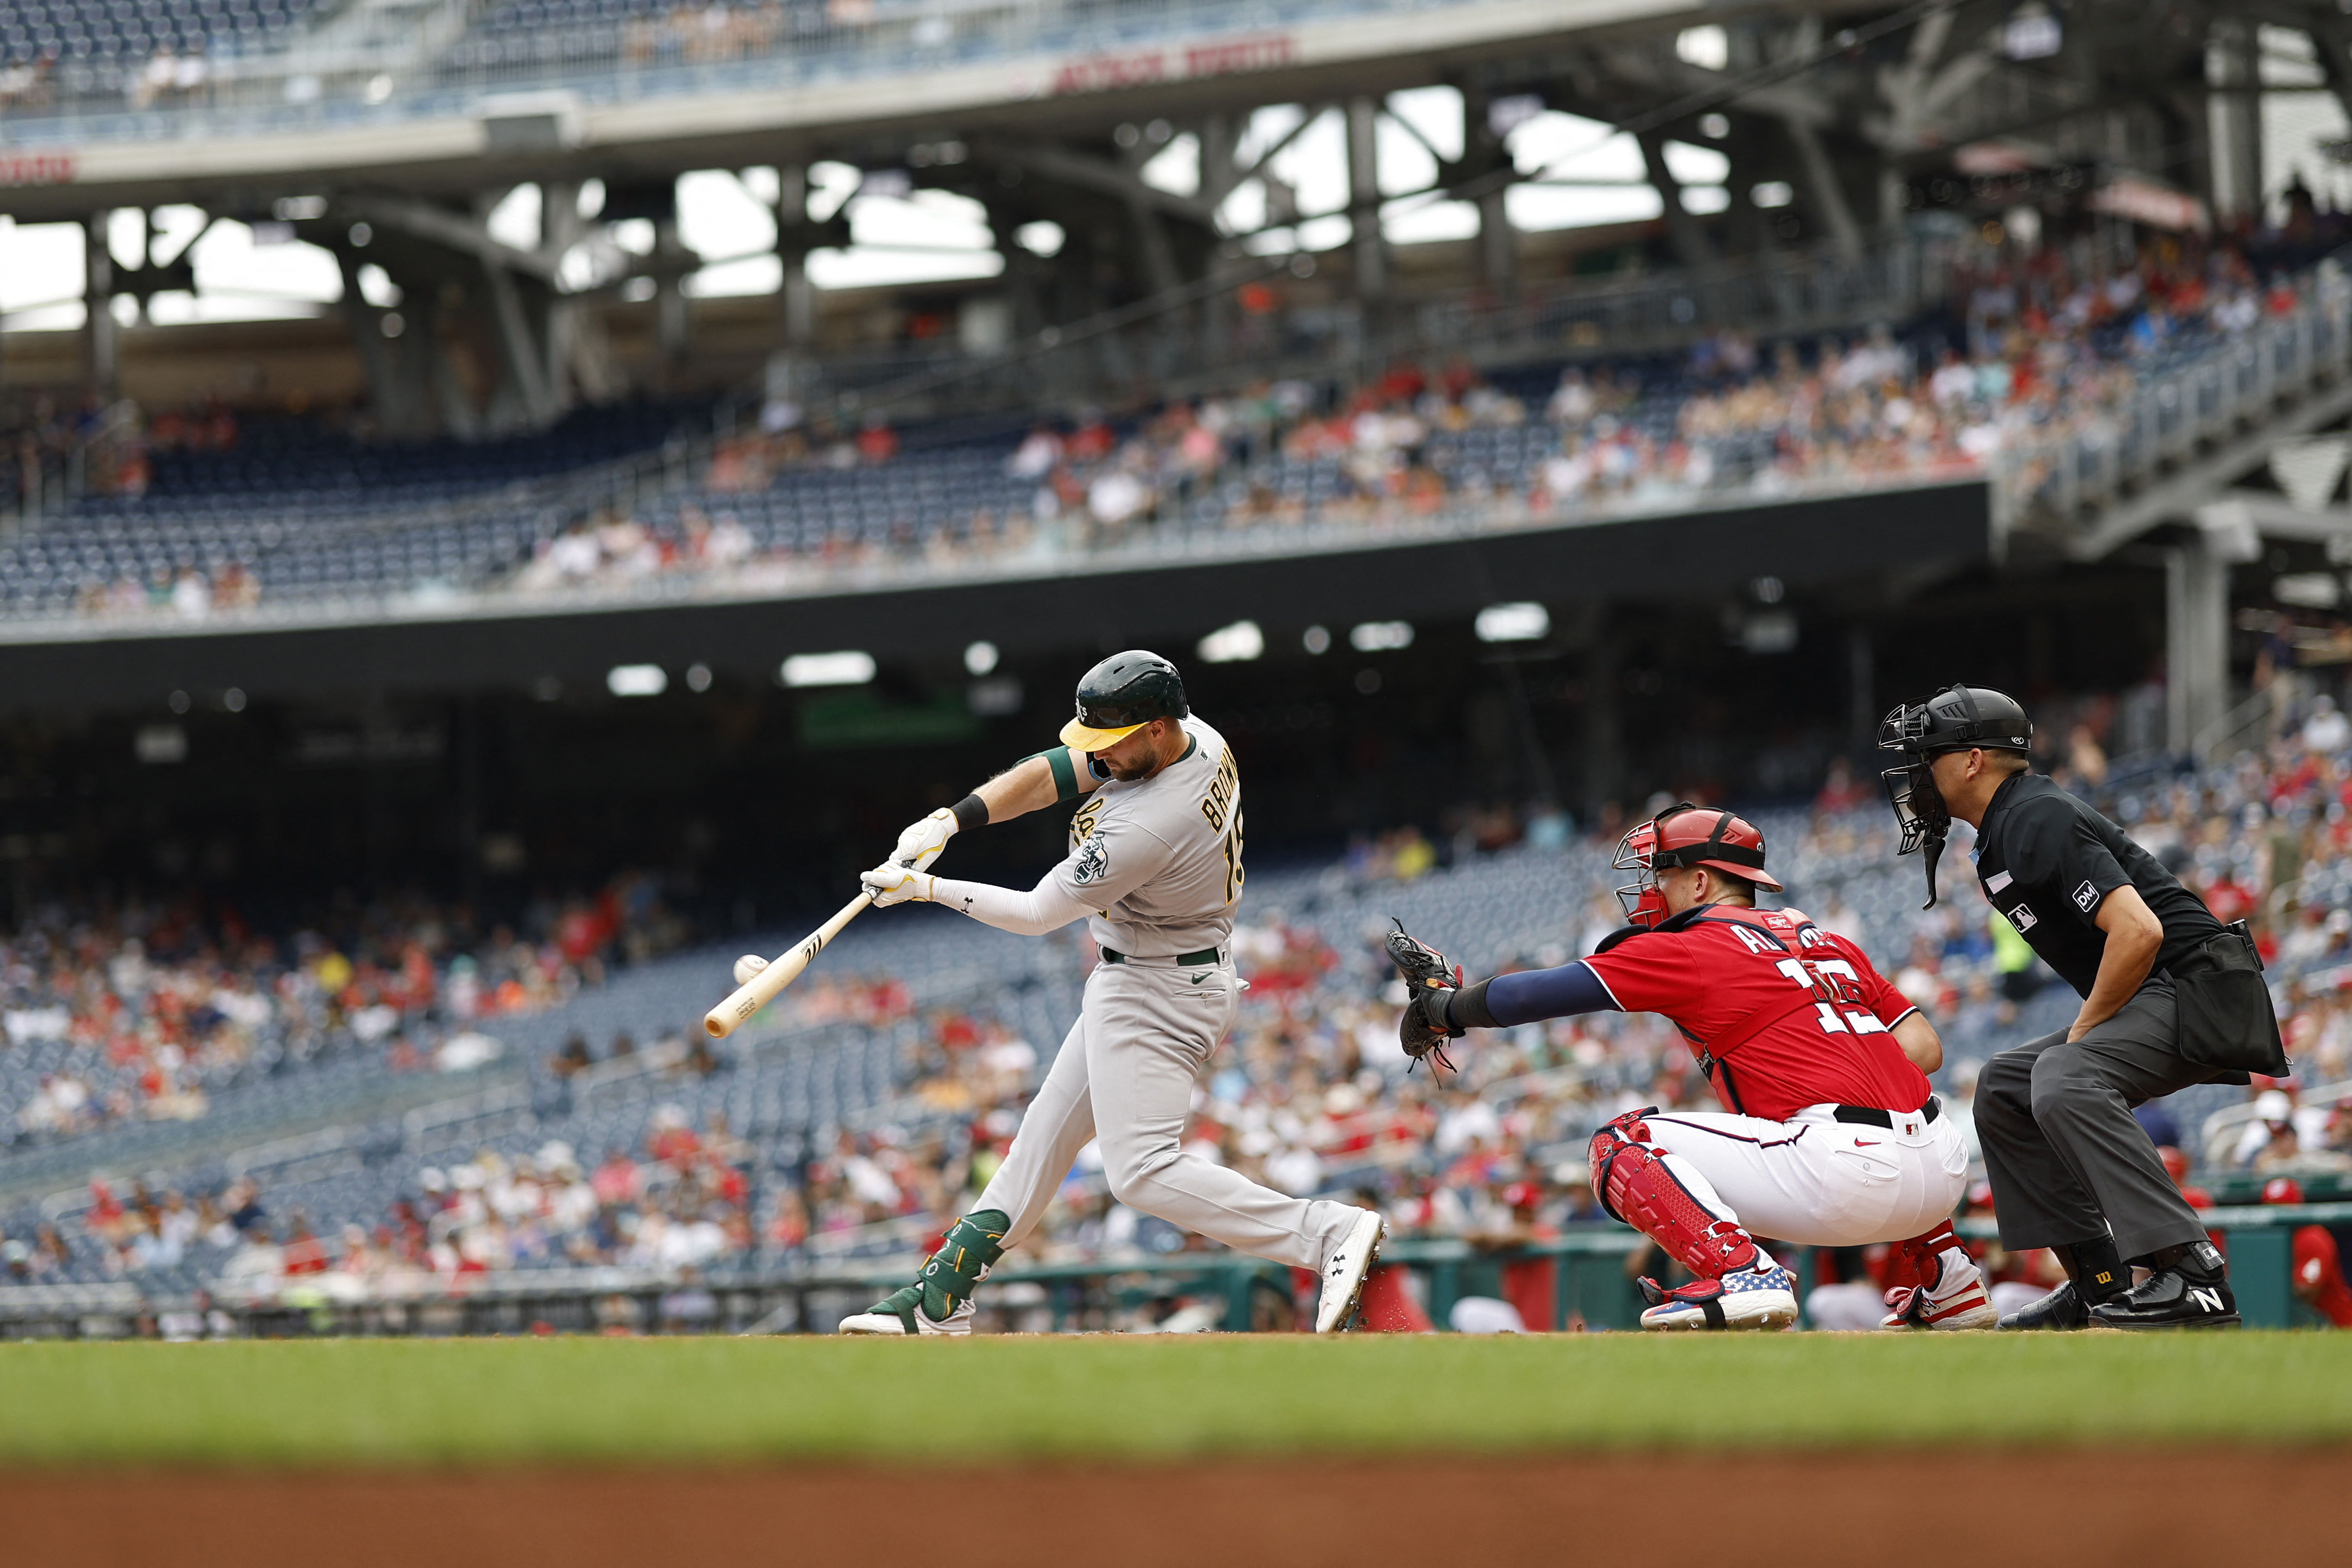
(2228, 734)
(2102, 458)
(2222, 1129)
(1589, 1287)
(58, 1168)
(2060, 482)
(1166, 544)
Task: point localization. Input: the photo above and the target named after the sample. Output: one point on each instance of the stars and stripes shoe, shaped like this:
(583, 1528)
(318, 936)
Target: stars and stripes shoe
(1763, 1296)
(900, 1315)
(1344, 1272)
(1956, 1301)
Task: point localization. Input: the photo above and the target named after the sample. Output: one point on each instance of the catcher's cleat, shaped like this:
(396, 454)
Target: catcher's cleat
(2193, 1293)
(1953, 1295)
(1343, 1274)
(1763, 1296)
(901, 1314)
(2062, 1310)
(1960, 1304)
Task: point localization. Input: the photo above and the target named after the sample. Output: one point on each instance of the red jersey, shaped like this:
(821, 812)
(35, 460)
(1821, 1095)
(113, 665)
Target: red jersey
(2319, 1277)
(1779, 1012)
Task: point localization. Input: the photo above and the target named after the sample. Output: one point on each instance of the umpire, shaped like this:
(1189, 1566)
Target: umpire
(2170, 997)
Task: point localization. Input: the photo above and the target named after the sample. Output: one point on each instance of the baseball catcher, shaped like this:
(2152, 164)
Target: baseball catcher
(1829, 1136)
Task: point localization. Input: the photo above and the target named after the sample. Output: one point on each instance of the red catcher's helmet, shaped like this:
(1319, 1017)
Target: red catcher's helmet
(2281, 1190)
(1687, 835)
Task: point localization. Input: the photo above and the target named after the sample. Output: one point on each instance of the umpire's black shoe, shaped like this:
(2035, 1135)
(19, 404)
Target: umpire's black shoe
(2062, 1309)
(2191, 1292)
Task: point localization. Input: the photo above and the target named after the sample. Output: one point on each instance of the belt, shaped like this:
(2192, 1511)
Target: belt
(1181, 961)
(1877, 1118)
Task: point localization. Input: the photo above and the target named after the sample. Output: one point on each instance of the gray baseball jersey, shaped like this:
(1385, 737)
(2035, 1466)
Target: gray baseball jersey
(1159, 859)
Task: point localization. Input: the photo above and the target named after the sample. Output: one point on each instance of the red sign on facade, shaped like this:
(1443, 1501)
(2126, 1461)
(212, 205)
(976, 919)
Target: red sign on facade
(38, 168)
(1142, 67)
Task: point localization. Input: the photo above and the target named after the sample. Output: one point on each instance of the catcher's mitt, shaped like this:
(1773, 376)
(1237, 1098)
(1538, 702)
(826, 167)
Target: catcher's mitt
(1429, 977)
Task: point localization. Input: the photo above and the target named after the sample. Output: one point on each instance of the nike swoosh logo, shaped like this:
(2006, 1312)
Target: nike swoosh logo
(1868, 1142)
(1198, 978)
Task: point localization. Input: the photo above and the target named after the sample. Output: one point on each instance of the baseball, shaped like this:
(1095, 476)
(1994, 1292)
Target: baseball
(748, 965)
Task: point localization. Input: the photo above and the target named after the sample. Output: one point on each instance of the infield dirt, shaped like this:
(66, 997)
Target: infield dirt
(2083, 1510)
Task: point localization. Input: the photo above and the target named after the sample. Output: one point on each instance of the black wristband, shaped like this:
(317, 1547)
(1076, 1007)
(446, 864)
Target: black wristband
(1466, 1008)
(970, 812)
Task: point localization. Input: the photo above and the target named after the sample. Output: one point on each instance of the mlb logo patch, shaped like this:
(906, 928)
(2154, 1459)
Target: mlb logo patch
(2086, 898)
(2022, 919)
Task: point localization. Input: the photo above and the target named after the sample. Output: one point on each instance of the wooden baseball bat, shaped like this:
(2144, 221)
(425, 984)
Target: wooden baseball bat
(760, 989)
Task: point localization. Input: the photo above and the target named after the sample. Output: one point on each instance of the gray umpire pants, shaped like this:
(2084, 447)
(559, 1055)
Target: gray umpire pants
(1125, 1078)
(2066, 1159)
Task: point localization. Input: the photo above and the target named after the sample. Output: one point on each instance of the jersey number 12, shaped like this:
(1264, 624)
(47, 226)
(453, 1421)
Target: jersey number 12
(1832, 981)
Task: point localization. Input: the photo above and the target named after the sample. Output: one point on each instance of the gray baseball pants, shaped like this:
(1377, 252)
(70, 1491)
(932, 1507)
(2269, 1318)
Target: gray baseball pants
(2066, 1161)
(1125, 1077)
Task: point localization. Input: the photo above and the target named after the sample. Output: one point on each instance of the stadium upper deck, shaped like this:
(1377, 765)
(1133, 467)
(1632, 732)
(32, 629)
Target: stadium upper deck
(96, 102)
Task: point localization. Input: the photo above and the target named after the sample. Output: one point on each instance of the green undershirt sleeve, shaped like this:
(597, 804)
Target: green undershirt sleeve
(1066, 771)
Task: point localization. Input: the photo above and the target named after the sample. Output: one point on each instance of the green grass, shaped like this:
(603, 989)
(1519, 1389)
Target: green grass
(425, 1401)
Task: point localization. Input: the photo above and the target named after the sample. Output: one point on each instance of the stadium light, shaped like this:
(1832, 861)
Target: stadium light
(1707, 48)
(636, 680)
(160, 743)
(1236, 644)
(1513, 623)
(848, 668)
(980, 657)
(1381, 636)
(1317, 640)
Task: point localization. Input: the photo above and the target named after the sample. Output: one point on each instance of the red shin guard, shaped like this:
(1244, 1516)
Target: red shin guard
(1635, 1183)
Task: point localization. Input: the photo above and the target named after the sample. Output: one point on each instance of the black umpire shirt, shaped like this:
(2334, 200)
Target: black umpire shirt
(2047, 862)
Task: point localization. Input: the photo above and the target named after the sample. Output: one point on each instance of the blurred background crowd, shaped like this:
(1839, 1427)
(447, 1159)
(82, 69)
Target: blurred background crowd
(1310, 1094)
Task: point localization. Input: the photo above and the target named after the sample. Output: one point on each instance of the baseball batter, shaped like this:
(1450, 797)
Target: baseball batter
(1155, 869)
(1831, 1137)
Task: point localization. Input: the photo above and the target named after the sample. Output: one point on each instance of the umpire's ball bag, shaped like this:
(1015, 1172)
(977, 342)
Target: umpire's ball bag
(2225, 1016)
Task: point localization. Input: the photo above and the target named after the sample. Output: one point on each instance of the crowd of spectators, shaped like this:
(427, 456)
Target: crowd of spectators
(679, 1203)
(1309, 1095)
(145, 1011)
(39, 435)
(2032, 352)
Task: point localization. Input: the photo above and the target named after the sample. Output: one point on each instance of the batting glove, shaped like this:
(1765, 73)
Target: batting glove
(920, 845)
(891, 883)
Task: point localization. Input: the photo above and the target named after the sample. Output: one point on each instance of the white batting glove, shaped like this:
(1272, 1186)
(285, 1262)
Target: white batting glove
(920, 845)
(748, 965)
(891, 883)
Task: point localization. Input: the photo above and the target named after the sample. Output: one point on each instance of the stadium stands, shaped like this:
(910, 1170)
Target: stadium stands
(2050, 381)
(287, 511)
(844, 1125)
(90, 30)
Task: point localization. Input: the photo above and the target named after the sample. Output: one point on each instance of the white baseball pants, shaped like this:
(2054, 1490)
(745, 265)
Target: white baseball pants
(1125, 1077)
(1815, 1181)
